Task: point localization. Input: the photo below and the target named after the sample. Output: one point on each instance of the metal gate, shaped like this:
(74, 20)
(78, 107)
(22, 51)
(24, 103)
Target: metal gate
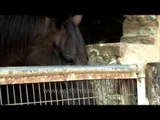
(72, 85)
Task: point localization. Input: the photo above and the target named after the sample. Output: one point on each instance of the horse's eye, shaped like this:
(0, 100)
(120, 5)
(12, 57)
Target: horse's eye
(68, 59)
(71, 62)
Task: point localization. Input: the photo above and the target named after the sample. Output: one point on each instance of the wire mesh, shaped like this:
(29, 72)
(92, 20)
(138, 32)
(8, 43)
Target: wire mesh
(86, 92)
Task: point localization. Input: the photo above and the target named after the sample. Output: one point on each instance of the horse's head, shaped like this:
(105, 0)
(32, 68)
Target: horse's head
(71, 45)
(62, 43)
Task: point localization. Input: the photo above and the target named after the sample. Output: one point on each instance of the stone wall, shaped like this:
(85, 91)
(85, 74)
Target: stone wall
(103, 54)
(140, 44)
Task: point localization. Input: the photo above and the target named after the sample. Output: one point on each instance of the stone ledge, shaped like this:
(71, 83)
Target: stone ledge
(138, 53)
(148, 40)
(122, 53)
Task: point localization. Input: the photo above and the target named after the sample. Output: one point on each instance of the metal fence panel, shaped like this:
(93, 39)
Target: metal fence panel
(69, 85)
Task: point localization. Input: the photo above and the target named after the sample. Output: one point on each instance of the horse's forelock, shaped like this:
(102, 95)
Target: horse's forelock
(74, 47)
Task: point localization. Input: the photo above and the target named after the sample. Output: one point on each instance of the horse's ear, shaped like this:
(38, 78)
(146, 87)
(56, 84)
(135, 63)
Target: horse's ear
(60, 18)
(77, 19)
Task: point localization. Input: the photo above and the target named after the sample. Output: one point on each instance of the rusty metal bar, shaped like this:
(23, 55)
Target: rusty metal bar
(36, 74)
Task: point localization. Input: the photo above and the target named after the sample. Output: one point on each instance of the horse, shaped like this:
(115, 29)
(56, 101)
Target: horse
(41, 40)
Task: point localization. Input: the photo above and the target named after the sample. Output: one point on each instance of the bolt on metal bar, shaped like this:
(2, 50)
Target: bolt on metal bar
(36, 74)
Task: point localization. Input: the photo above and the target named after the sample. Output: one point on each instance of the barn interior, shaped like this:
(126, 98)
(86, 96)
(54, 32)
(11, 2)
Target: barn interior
(102, 28)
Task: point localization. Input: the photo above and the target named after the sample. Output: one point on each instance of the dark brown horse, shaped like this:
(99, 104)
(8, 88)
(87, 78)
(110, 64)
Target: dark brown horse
(40, 40)
(31, 40)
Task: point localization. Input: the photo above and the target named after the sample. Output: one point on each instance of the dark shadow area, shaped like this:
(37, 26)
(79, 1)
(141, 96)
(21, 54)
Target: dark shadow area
(102, 28)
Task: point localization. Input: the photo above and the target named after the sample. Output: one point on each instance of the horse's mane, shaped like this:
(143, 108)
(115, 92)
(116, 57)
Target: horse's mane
(17, 31)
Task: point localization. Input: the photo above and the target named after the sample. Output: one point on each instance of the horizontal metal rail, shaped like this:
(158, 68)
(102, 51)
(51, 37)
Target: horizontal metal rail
(36, 74)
